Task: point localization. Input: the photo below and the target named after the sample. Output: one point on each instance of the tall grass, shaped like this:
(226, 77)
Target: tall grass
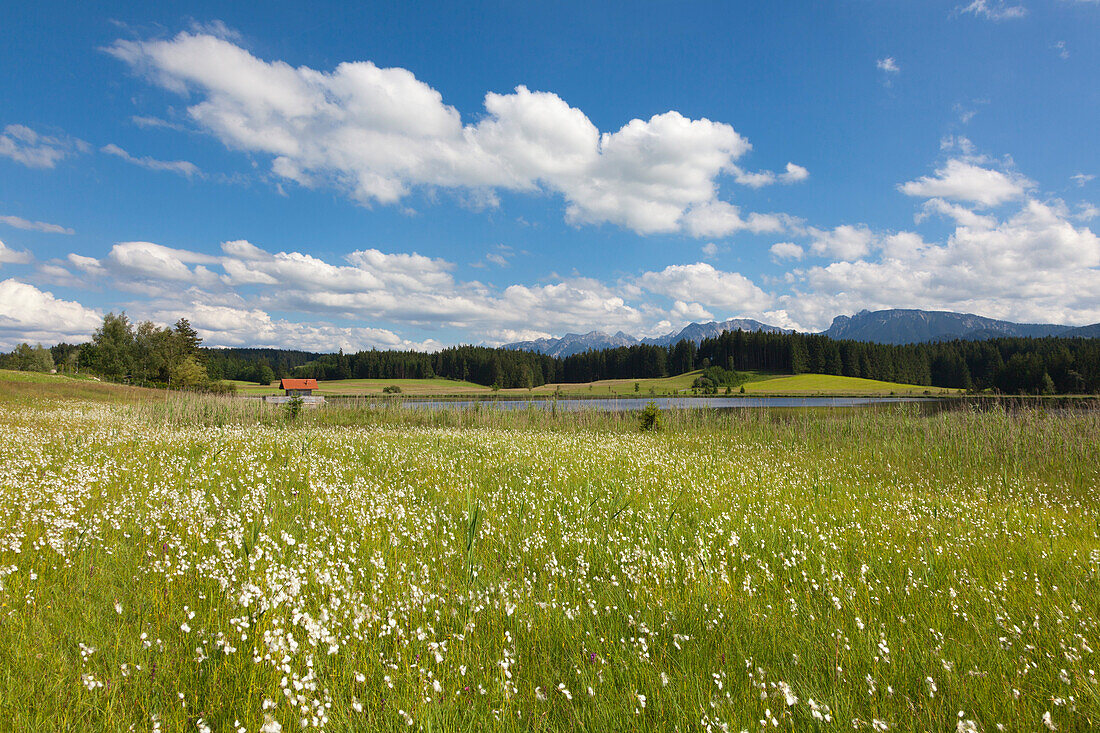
(965, 441)
(206, 562)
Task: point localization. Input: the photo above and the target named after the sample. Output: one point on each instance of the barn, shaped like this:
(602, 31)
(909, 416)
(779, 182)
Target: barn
(298, 387)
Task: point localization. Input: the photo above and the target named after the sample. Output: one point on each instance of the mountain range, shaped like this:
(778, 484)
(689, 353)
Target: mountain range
(895, 326)
(576, 343)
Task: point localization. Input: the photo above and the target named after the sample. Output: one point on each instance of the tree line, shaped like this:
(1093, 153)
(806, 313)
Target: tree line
(143, 354)
(1006, 365)
(148, 354)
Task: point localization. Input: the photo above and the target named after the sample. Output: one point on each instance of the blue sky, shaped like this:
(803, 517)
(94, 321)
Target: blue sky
(415, 175)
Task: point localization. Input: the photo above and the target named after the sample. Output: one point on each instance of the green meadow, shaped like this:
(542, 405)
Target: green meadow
(759, 383)
(180, 562)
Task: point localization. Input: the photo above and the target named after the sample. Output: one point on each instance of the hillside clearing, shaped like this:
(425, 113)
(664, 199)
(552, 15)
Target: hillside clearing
(759, 383)
(832, 384)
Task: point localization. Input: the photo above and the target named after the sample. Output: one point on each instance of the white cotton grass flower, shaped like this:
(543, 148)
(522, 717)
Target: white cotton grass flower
(788, 694)
(963, 725)
(270, 724)
(1048, 721)
(819, 712)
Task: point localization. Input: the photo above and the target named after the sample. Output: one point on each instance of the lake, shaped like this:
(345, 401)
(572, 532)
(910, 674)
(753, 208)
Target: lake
(625, 404)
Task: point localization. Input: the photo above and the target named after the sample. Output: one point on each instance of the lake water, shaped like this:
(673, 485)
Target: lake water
(625, 404)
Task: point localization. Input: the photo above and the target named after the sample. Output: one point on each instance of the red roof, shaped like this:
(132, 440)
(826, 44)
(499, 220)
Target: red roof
(297, 384)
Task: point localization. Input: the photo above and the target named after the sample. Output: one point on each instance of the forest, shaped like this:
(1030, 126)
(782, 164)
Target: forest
(146, 354)
(1005, 365)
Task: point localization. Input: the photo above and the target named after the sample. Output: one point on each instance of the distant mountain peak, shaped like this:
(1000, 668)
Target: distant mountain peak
(574, 343)
(910, 325)
(893, 326)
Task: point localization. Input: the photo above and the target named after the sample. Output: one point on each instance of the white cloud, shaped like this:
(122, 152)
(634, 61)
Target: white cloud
(964, 181)
(786, 251)
(993, 10)
(704, 284)
(793, 174)
(150, 121)
(961, 214)
(87, 265)
(720, 219)
(157, 262)
(34, 226)
(687, 312)
(1082, 178)
(9, 256)
(29, 314)
(181, 167)
(1060, 47)
(371, 286)
(845, 242)
(1033, 266)
(216, 28)
(888, 64)
(226, 326)
(24, 145)
(1086, 212)
(377, 133)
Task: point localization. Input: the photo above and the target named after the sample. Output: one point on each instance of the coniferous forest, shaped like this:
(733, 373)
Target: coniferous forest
(1005, 365)
(146, 354)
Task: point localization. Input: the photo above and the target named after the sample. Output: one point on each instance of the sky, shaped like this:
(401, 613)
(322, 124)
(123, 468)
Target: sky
(417, 175)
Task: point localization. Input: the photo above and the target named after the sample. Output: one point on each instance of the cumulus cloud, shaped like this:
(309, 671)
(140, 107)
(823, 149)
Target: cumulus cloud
(686, 312)
(993, 10)
(228, 326)
(786, 251)
(369, 285)
(150, 261)
(34, 226)
(181, 167)
(963, 180)
(24, 145)
(377, 133)
(719, 218)
(1033, 266)
(961, 214)
(845, 242)
(702, 283)
(29, 314)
